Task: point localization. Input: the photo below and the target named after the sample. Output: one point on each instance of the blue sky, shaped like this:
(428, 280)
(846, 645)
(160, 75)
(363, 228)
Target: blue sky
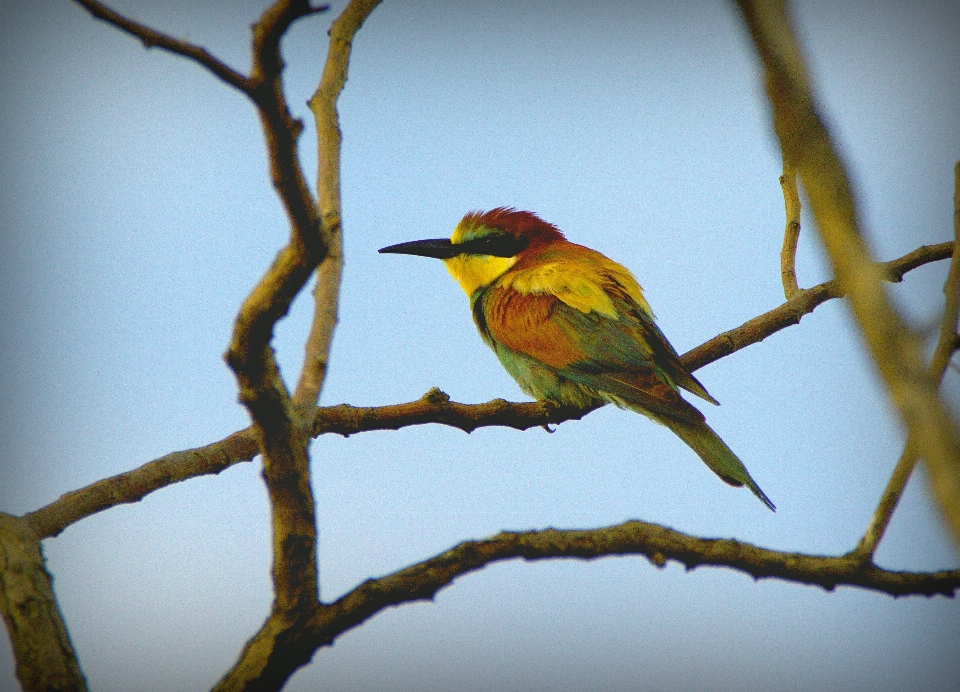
(136, 213)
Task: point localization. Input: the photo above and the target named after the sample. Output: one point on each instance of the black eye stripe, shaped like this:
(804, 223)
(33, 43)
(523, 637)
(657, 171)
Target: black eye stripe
(496, 245)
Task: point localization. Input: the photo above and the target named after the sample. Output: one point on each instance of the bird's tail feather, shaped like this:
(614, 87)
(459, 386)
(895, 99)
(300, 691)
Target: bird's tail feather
(715, 454)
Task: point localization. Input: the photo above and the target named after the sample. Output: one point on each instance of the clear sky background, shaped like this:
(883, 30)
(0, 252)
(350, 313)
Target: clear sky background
(136, 213)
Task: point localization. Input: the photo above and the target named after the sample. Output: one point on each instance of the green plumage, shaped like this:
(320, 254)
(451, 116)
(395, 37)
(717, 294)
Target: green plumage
(715, 454)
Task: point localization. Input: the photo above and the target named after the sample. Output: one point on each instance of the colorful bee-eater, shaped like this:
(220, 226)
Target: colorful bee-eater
(572, 326)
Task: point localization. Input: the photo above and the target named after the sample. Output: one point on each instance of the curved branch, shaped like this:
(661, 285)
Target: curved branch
(282, 442)
(803, 303)
(271, 656)
(281, 132)
(154, 39)
(433, 407)
(658, 543)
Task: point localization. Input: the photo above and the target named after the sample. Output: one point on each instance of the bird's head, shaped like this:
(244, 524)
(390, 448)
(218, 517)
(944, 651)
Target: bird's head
(484, 245)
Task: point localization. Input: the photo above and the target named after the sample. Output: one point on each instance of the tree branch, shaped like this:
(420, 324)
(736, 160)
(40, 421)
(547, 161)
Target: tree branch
(46, 661)
(433, 407)
(658, 543)
(283, 444)
(791, 233)
(895, 349)
(271, 656)
(803, 303)
(889, 500)
(154, 39)
(134, 485)
(323, 105)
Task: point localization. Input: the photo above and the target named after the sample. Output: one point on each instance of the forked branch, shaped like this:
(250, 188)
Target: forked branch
(273, 654)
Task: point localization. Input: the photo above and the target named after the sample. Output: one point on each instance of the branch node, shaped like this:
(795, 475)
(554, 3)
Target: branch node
(436, 396)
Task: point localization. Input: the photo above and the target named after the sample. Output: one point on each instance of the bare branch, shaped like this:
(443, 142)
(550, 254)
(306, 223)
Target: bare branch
(154, 39)
(895, 349)
(888, 504)
(286, 467)
(134, 485)
(791, 233)
(945, 475)
(803, 303)
(323, 104)
(658, 543)
(281, 132)
(433, 407)
(270, 657)
(45, 657)
(316, 350)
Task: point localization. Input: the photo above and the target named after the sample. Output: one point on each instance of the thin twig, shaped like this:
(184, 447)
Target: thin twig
(433, 407)
(791, 232)
(316, 350)
(323, 105)
(889, 500)
(895, 349)
(152, 38)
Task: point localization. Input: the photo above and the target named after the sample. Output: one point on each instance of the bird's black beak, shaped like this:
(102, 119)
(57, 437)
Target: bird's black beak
(440, 248)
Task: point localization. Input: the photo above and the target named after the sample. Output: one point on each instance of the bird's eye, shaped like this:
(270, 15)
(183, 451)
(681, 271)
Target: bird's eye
(496, 245)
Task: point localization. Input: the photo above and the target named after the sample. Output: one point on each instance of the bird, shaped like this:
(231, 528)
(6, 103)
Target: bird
(572, 327)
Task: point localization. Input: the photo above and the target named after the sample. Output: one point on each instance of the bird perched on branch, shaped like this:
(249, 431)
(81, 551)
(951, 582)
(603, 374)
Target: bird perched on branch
(571, 326)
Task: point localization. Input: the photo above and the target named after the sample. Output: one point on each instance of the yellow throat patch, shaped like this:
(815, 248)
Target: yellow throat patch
(475, 271)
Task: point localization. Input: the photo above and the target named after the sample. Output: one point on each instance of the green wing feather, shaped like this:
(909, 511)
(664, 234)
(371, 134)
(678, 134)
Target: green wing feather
(717, 455)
